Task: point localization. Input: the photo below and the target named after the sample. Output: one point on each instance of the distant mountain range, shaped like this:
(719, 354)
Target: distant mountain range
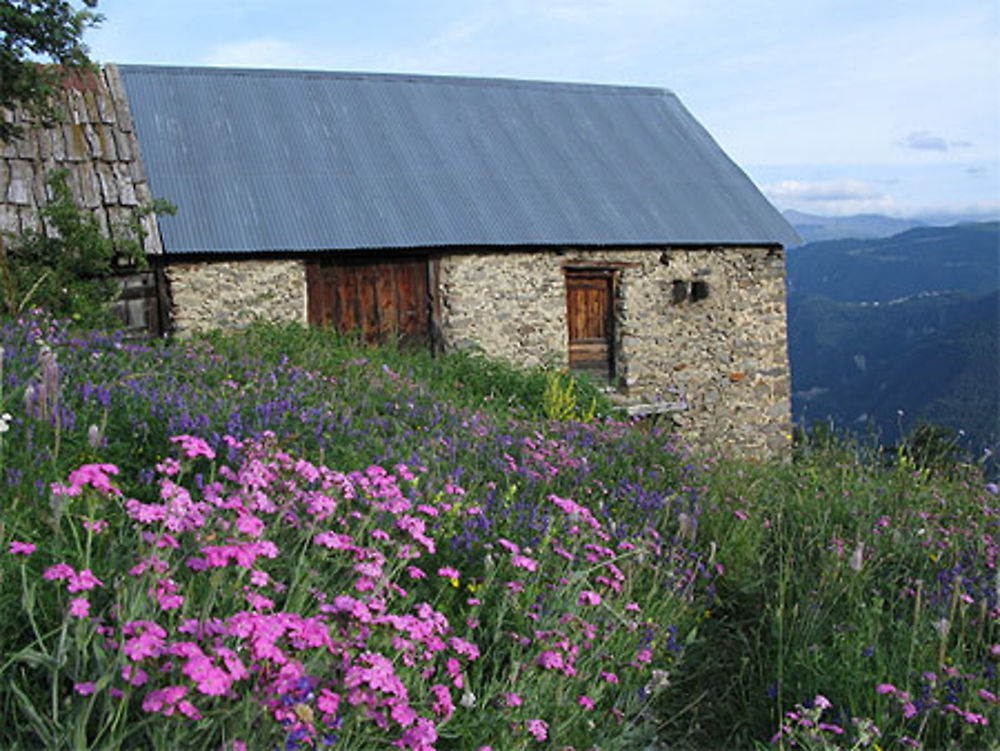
(963, 258)
(813, 228)
(886, 332)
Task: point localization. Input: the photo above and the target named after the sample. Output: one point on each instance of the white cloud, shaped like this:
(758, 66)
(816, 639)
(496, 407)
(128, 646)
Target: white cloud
(822, 190)
(830, 197)
(924, 140)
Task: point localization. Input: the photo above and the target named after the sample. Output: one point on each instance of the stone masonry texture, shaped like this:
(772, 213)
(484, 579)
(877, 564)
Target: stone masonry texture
(720, 363)
(716, 361)
(233, 294)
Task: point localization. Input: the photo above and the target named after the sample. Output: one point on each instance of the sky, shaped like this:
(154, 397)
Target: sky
(832, 107)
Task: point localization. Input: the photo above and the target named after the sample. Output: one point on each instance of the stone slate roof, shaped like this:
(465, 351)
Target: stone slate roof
(95, 143)
(259, 160)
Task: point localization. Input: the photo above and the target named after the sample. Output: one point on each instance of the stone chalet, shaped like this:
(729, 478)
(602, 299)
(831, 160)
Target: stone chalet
(595, 227)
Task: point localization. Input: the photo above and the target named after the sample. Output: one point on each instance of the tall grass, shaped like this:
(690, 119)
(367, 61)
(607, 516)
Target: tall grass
(873, 588)
(463, 378)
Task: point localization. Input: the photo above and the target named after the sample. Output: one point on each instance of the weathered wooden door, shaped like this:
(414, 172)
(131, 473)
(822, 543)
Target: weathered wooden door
(380, 298)
(590, 315)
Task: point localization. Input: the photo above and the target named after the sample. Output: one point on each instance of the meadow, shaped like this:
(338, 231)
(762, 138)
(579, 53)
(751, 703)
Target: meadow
(279, 539)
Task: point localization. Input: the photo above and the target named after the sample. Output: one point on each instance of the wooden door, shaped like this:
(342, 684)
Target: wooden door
(590, 316)
(378, 298)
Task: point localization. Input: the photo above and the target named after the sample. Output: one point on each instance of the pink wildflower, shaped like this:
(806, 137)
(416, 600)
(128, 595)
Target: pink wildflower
(442, 706)
(210, 680)
(454, 669)
(79, 607)
(169, 467)
(96, 526)
(258, 602)
(885, 688)
(83, 581)
(550, 660)
(538, 728)
(193, 447)
(147, 644)
(587, 597)
(145, 513)
(58, 572)
(419, 737)
(21, 548)
(404, 714)
(511, 699)
(585, 701)
(134, 675)
(609, 677)
(164, 700)
(522, 561)
(464, 648)
(94, 475)
(250, 525)
(509, 546)
(448, 572)
(327, 702)
(85, 689)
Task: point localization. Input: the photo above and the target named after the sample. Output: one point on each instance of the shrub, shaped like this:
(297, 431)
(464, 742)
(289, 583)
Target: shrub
(66, 268)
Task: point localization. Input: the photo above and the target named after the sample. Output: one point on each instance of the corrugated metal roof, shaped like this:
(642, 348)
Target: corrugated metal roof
(260, 160)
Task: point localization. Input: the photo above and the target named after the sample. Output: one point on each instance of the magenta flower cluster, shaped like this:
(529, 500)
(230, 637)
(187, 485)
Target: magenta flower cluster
(349, 639)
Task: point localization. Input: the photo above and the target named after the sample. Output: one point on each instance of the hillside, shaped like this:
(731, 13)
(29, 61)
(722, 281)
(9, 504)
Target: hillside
(925, 259)
(933, 358)
(278, 538)
(903, 324)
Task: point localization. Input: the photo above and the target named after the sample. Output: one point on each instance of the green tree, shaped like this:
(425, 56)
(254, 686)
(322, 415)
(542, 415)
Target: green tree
(33, 32)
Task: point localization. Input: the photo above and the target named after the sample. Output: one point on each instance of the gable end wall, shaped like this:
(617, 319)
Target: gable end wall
(719, 364)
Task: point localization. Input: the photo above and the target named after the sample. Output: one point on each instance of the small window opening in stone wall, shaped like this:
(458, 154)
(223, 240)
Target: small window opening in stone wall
(695, 291)
(680, 291)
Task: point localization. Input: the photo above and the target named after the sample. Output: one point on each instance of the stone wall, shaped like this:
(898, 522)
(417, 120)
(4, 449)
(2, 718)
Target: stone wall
(511, 305)
(699, 333)
(233, 294)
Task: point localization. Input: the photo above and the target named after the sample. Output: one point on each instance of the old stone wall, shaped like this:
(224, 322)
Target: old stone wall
(698, 333)
(511, 305)
(233, 294)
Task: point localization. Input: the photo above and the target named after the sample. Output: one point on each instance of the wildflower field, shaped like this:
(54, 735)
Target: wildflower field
(279, 540)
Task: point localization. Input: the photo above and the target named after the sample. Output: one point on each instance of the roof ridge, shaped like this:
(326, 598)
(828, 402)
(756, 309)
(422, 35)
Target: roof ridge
(427, 78)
